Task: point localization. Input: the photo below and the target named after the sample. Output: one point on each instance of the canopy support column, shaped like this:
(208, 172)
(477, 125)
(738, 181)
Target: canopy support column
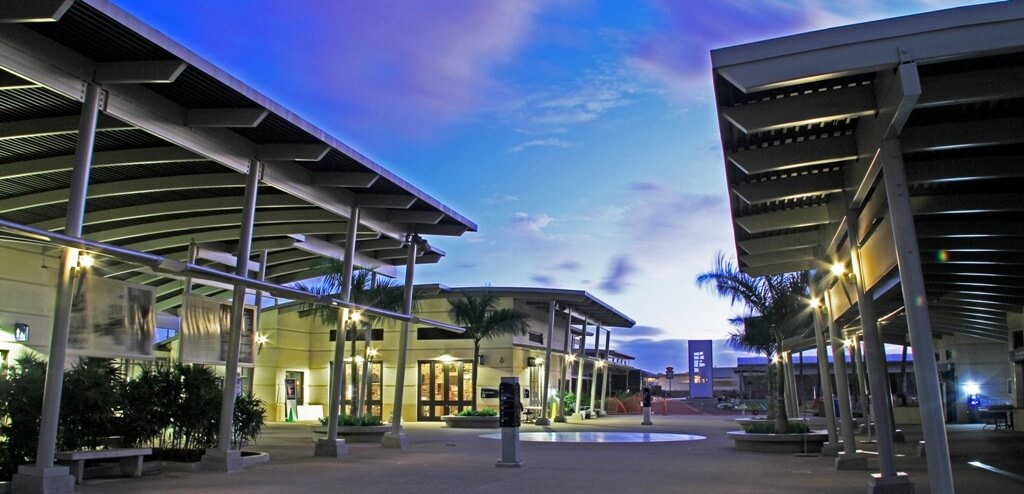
(874, 351)
(395, 438)
(849, 458)
(542, 417)
(581, 359)
(566, 367)
(331, 446)
(594, 369)
(824, 374)
(908, 259)
(607, 370)
(43, 474)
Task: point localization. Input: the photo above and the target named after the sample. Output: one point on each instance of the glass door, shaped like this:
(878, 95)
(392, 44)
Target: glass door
(445, 388)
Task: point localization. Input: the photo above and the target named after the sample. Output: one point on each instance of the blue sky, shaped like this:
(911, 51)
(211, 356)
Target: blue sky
(579, 134)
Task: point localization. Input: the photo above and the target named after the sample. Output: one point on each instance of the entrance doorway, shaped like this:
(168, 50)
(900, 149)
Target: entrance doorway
(298, 376)
(445, 388)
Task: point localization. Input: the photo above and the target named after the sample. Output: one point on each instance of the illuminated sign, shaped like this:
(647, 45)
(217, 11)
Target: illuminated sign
(701, 378)
(21, 332)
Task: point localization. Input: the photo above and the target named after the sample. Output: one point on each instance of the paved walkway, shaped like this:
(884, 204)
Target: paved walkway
(460, 461)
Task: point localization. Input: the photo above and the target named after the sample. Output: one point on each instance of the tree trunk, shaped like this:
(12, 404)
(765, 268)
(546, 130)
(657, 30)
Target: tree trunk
(476, 360)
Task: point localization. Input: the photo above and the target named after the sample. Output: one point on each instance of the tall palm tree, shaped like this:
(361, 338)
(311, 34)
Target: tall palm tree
(483, 319)
(367, 289)
(773, 311)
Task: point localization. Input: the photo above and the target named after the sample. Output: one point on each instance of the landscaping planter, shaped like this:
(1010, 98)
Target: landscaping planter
(459, 422)
(357, 433)
(779, 443)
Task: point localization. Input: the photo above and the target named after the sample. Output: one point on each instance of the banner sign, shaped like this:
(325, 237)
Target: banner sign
(701, 365)
(206, 330)
(112, 319)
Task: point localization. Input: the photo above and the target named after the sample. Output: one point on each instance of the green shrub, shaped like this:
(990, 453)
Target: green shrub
(21, 399)
(569, 402)
(196, 413)
(249, 419)
(768, 427)
(483, 412)
(89, 405)
(354, 421)
(148, 403)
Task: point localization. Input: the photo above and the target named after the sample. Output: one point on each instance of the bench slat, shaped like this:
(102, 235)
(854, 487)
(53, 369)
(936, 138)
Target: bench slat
(102, 453)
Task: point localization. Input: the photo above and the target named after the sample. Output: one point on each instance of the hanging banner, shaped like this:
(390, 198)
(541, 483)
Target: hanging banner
(206, 332)
(112, 319)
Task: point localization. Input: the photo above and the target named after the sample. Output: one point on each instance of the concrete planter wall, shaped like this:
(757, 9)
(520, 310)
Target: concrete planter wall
(779, 443)
(456, 421)
(357, 433)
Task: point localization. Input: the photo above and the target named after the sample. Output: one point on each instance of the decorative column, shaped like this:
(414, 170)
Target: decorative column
(331, 446)
(43, 474)
(862, 384)
(542, 418)
(396, 438)
(908, 258)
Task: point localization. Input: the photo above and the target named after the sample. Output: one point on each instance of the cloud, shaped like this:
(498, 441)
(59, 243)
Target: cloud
(569, 266)
(527, 223)
(500, 198)
(644, 331)
(540, 142)
(543, 279)
(617, 279)
(653, 354)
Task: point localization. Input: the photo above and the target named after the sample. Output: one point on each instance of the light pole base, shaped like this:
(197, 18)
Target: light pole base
(395, 441)
(542, 421)
(218, 460)
(647, 416)
(330, 448)
(560, 419)
(47, 480)
(897, 484)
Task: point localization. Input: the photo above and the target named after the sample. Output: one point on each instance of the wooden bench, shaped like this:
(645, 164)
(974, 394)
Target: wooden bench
(131, 460)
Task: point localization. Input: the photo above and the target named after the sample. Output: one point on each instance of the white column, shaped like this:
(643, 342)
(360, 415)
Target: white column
(56, 360)
(874, 353)
(607, 370)
(849, 456)
(593, 370)
(908, 258)
(581, 359)
(331, 446)
(227, 402)
(396, 438)
(824, 374)
(542, 417)
(566, 368)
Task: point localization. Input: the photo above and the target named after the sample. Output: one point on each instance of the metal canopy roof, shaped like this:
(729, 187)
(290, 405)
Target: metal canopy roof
(800, 118)
(175, 138)
(578, 302)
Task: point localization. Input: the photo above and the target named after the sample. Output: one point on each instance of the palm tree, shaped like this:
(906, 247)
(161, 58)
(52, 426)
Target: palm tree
(367, 289)
(773, 311)
(483, 319)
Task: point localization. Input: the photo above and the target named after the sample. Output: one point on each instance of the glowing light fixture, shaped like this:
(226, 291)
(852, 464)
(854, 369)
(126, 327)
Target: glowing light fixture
(815, 303)
(86, 261)
(570, 357)
(601, 363)
(838, 269)
(356, 316)
(446, 358)
(371, 352)
(261, 339)
(972, 388)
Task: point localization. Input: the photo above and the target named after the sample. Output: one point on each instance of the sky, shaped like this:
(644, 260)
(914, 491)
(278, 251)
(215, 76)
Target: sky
(580, 135)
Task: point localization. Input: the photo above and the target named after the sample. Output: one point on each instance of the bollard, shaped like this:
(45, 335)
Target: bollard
(508, 405)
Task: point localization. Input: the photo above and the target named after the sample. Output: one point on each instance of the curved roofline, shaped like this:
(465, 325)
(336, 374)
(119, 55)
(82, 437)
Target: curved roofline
(188, 56)
(561, 295)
